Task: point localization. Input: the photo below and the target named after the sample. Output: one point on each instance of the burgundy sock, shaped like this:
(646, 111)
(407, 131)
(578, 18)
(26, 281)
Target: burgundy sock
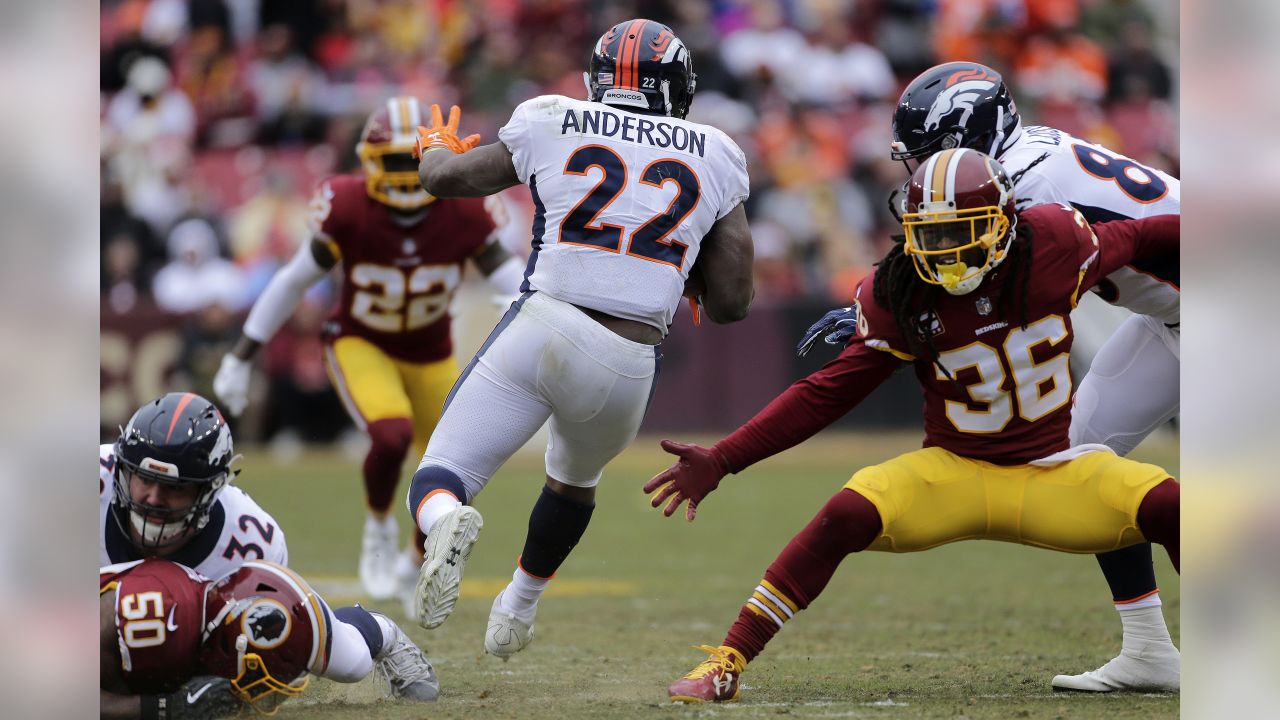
(1158, 518)
(848, 523)
(390, 443)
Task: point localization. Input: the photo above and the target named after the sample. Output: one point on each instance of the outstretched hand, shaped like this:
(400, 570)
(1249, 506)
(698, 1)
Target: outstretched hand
(692, 478)
(443, 135)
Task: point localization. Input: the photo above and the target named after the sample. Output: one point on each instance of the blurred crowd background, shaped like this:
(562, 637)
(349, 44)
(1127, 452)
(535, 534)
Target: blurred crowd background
(219, 116)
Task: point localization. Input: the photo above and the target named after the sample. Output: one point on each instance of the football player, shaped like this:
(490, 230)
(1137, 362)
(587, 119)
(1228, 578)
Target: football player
(165, 491)
(628, 196)
(175, 644)
(977, 299)
(1132, 386)
(389, 351)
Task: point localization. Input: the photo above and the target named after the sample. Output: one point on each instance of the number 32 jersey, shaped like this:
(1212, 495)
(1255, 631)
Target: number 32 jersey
(622, 201)
(398, 281)
(1103, 185)
(238, 530)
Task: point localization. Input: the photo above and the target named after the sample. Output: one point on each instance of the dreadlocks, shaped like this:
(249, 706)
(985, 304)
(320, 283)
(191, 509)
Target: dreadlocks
(897, 288)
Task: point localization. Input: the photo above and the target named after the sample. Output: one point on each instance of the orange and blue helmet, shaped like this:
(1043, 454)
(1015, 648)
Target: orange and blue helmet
(641, 64)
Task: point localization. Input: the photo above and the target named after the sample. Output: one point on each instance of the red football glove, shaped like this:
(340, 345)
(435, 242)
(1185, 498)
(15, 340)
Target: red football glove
(442, 135)
(693, 478)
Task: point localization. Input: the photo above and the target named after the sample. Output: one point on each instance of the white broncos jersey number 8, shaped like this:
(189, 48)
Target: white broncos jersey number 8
(622, 201)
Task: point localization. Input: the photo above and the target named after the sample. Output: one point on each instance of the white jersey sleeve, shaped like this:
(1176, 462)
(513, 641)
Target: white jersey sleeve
(622, 201)
(248, 533)
(106, 488)
(238, 530)
(1103, 185)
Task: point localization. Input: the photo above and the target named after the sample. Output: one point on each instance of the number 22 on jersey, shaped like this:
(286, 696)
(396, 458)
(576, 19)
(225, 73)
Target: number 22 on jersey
(648, 241)
(404, 300)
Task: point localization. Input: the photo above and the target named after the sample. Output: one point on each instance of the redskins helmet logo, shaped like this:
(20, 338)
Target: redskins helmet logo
(265, 623)
(962, 91)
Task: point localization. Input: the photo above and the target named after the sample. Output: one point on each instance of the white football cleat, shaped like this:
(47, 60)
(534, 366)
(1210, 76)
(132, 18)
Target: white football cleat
(507, 634)
(406, 668)
(446, 551)
(378, 553)
(1154, 668)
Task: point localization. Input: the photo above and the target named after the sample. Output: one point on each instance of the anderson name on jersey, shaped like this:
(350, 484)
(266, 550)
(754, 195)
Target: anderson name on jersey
(622, 201)
(1103, 185)
(238, 530)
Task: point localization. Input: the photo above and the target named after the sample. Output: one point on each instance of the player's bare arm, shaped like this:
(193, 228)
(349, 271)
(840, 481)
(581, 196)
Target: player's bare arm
(448, 166)
(725, 266)
(476, 173)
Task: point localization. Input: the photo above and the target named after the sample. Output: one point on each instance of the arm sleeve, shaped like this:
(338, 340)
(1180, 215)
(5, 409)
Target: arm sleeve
(282, 295)
(808, 406)
(516, 135)
(1119, 242)
(738, 187)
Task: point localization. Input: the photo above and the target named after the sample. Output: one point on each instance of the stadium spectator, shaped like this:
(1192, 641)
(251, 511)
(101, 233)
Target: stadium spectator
(196, 277)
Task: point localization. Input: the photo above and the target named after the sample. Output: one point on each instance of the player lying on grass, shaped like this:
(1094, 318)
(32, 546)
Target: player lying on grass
(175, 644)
(977, 298)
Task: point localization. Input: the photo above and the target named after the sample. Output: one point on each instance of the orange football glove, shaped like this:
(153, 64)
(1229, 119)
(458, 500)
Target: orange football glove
(442, 135)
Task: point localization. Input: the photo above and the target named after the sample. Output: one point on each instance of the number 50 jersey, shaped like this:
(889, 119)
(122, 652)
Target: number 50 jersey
(622, 201)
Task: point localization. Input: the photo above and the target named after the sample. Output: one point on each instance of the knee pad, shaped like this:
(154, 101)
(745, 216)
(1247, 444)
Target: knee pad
(847, 523)
(434, 477)
(391, 436)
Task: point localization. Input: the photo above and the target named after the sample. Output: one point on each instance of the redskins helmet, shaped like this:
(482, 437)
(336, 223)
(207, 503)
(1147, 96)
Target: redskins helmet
(265, 630)
(642, 64)
(386, 153)
(954, 105)
(179, 440)
(959, 219)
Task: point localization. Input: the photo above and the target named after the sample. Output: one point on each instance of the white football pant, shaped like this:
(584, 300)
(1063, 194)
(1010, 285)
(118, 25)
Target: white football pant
(1131, 388)
(545, 360)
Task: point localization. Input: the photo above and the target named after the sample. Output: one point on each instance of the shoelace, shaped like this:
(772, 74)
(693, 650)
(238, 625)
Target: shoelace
(404, 664)
(718, 660)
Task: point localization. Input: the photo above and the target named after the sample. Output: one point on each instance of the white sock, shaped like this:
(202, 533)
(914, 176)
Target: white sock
(1143, 627)
(438, 504)
(520, 598)
(386, 526)
(388, 629)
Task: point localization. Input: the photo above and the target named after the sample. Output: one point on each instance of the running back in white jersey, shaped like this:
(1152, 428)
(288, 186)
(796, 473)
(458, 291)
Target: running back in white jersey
(622, 202)
(238, 530)
(1103, 185)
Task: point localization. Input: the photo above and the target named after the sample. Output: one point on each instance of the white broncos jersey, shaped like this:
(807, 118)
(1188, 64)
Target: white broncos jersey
(622, 201)
(1103, 185)
(238, 530)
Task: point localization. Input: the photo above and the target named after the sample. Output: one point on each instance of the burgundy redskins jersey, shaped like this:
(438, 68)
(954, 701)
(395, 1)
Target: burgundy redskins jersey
(159, 619)
(1008, 400)
(397, 281)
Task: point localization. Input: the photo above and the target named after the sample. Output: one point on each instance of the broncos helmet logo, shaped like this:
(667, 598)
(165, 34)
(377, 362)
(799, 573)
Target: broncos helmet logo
(960, 96)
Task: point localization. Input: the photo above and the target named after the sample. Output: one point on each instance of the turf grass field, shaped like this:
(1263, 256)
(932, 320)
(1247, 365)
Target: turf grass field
(973, 630)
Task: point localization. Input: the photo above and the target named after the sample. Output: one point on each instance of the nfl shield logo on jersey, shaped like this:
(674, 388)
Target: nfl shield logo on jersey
(984, 305)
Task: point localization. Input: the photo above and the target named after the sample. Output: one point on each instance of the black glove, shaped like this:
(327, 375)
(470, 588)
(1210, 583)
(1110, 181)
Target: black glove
(202, 698)
(835, 328)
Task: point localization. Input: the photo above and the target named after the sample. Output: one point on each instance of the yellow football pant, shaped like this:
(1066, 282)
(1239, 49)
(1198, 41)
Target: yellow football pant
(375, 386)
(931, 497)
